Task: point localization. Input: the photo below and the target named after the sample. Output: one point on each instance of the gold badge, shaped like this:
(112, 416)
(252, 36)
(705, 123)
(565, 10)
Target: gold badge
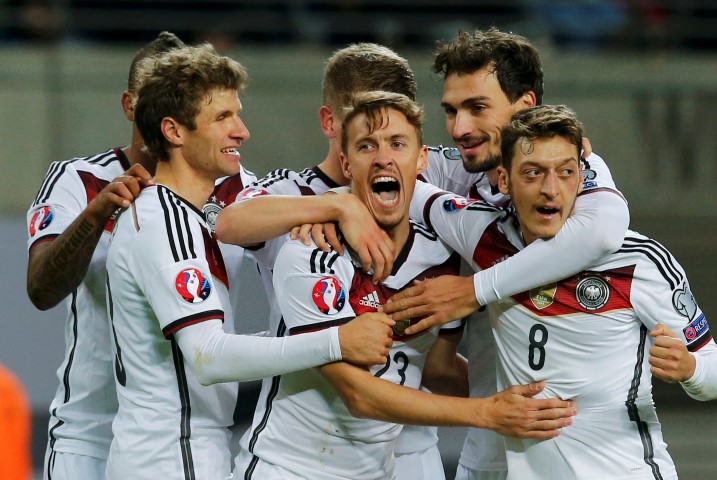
(542, 297)
(400, 327)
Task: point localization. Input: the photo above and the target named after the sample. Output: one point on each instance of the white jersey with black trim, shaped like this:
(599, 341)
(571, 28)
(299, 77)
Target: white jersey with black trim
(588, 338)
(310, 181)
(483, 449)
(225, 193)
(85, 402)
(166, 272)
(306, 428)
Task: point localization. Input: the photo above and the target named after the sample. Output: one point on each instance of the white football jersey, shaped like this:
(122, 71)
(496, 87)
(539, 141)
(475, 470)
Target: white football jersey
(166, 272)
(483, 449)
(305, 428)
(85, 402)
(587, 338)
(310, 181)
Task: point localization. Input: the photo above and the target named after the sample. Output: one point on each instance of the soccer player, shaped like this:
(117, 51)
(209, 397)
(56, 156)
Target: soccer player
(587, 336)
(356, 68)
(337, 421)
(69, 225)
(175, 359)
(488, 76)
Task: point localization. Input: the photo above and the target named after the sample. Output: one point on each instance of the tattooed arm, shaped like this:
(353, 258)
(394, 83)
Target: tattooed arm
(55, 268)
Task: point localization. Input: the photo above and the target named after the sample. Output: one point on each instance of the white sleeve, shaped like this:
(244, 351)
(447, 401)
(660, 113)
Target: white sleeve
(596, 228)
(703, 383)
(662, 294)
(215, 356)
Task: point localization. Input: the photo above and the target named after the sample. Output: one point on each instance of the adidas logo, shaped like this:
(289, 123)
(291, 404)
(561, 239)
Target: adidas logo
(370, 300)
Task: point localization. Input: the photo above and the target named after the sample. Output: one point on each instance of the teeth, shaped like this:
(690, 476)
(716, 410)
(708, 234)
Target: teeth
(230, 151)
(383, 180)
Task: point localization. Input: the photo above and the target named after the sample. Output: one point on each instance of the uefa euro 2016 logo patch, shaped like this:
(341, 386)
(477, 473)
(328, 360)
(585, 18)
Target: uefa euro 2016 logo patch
(192, 285)
(454, 204)
(452, 153)
(592, 293)
(41, 220)
(251, 192)
(329, 295)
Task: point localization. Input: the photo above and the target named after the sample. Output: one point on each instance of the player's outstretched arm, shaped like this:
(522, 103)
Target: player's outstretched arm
(55, 268)
(439, 300)
(597, 228)
(512, 412)
(256, 220)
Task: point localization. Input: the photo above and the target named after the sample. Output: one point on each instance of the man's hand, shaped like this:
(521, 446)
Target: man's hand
(366, 340)
(514, 413)
(587, 148)
(119, 193)
(669, 358)
(324, 235)
(440, 300)
(369, 241)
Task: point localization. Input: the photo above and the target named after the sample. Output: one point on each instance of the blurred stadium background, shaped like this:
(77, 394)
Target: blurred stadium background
(639, 73)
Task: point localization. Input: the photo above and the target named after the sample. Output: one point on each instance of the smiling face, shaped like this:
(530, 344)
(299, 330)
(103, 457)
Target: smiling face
(476, 108)
(212, 149)
(543, 183)
(382, 163)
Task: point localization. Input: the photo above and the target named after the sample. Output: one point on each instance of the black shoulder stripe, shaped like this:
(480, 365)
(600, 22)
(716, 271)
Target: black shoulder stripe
(424, 231)
(55, 172)
(176, 220)
(321, 262)
(663, 260)
(272, 177)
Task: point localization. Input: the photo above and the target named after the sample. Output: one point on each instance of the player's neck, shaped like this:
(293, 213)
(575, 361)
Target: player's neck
(492, 176)
(331, 167)
(399, 234)
(184, 181)
(136, 152)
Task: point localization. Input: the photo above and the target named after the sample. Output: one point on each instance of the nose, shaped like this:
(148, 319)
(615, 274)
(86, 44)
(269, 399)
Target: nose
(240, 131)
(383, 156)
(461, 124)
(549, 188)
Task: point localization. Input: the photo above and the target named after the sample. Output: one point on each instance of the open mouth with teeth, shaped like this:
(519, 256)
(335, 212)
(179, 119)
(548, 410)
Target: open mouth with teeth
(231, 151)
(386, 190)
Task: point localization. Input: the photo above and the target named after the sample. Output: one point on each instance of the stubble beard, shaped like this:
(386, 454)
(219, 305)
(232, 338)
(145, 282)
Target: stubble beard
(472, 164)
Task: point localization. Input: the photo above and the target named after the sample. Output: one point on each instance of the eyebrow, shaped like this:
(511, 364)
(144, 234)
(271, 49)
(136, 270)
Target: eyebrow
(467, 101)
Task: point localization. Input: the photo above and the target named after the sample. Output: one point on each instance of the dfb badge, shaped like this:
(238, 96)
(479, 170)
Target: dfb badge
(592, 293)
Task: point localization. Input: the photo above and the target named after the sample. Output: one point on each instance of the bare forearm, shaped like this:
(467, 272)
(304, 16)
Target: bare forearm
(369, 397)
(56, 268)
(260, 219)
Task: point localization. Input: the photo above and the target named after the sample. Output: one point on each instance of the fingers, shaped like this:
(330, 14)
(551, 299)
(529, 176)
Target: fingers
(304, 234)
(294, 233)
(424, 324)
(140, 173)
(660, 329)
(529, 390)
(332, 238)
(317, 233)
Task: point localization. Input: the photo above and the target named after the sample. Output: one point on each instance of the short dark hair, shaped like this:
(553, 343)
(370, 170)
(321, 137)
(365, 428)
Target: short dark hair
(175, 84)
(164, 42)
(539, 123)
(364, 67)
(374, 104)
(513, 58)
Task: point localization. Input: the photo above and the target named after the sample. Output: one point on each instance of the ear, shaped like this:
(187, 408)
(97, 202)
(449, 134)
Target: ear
(327, 119)
(503, 181)
(527, 100)
(172, 131)
(129, 101)
(422, 161)
(345, 167)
